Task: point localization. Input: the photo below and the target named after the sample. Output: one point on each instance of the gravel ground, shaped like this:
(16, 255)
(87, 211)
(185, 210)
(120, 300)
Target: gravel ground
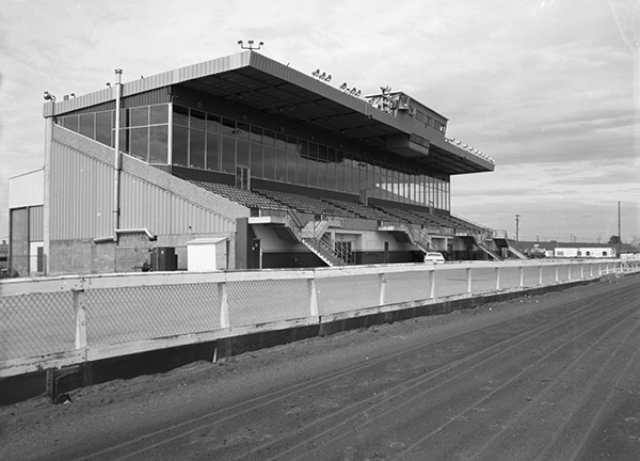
(467, 385)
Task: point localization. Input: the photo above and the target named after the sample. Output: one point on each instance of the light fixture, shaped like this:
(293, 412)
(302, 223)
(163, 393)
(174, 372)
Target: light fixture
(49, 97)
(250, 45)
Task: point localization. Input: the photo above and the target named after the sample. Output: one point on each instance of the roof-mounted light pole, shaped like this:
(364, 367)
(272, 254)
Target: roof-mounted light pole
(250, 45)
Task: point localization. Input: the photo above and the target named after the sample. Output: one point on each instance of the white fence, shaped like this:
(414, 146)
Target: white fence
(52, 322)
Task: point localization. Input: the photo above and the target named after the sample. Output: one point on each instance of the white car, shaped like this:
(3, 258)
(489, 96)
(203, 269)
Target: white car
(434, 257)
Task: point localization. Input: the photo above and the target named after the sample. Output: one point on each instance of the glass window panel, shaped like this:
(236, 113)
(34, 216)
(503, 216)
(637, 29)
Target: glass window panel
(229, 128)
(322, 167)
(268, 162)
(124, 140)
(125, 118)
(87, 125)
(180, 116)
(269, 138)
(196, 148)
(292, 167)
(139, 147)
(256, 160)
(228, 155)
(243, 152)
(243, 131)
(198, 120)
(214, 125)
(180, 147)
(281, 165)
(213, 151)
(140, 116)
(158, 144)
(70, 122)
(331, 169)
(256, 134)
(362, 172)
(302, 164)
(159, 114)
(312, 173)
(103, 128)
(292, 144)
(281, 141)
(322, 175)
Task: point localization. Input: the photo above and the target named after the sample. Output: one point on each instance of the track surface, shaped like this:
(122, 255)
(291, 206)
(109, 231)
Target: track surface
(555, 377)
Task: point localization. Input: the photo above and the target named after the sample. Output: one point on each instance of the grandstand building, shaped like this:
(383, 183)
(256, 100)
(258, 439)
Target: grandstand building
(284, 168)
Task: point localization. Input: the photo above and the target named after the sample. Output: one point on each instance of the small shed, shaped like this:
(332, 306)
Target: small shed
(207, 254)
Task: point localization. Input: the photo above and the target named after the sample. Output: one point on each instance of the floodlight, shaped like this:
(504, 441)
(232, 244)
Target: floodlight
(343, 86)
(328, 79)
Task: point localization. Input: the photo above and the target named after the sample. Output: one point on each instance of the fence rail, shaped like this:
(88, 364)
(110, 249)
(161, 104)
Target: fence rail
(56, 321)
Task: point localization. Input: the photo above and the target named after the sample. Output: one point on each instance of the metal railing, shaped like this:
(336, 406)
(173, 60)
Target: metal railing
(66, 320)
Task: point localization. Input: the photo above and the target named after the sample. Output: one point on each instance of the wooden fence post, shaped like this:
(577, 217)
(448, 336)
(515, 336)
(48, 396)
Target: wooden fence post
(223, 296)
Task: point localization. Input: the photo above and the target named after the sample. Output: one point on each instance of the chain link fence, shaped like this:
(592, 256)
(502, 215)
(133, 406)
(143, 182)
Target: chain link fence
(40, 317)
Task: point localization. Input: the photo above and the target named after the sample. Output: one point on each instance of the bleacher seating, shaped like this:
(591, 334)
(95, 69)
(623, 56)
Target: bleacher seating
(243, 197)
(305, 204)
(362, 211)
(275, 200)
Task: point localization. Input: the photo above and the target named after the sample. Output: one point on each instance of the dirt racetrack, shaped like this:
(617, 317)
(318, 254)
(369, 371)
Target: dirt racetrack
(553, 377)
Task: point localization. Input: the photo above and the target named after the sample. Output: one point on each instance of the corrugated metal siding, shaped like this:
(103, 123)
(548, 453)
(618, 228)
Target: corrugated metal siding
(26, 190)
(36, 223)
(81, 195)
(82, 202)
(150, 83)
(145, 205)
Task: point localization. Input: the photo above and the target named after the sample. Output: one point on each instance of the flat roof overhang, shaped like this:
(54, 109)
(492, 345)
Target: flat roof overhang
(250, 79)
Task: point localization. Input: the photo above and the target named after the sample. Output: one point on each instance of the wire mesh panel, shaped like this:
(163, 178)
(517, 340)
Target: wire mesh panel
(36, 324)
(509, 277)
(531, 276)
(450, 282)
(262, 301)
(343, 294)
(483, 279)
(408, 286)
(119, 315)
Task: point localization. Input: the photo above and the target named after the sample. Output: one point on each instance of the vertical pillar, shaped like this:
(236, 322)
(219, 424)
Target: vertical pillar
(581, 271)
(469, 280)
(521, 276)
(80, 307)
(540, 274)
(382, 283)
(497, 278)
(313, 298)
(223, 296)
(433, 283)
(557, 273)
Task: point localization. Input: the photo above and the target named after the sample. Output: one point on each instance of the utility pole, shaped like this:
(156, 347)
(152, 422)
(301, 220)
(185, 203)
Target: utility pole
(619, 232)
(517, 227)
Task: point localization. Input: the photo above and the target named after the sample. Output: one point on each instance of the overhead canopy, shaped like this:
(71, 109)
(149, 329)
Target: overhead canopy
(258, 82)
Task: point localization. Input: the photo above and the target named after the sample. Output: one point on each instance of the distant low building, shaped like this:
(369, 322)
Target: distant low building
(555, 249)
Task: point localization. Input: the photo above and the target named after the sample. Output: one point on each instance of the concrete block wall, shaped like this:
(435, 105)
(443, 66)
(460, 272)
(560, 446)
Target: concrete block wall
(19, 243)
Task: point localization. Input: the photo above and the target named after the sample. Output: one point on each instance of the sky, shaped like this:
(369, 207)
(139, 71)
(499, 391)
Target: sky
(549, 88)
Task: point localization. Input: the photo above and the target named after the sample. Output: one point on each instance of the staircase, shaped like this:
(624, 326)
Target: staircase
(480, 242)
(419, 237)
(324, 249)
(516, 252)
(312, 235)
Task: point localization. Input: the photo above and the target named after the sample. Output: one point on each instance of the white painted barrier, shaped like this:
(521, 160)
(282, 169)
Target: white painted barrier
(58, 321)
